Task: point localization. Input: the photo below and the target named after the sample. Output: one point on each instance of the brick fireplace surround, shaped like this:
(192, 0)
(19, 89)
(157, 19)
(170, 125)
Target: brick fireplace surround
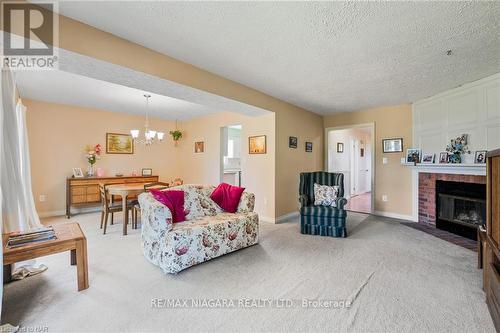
(427, 192)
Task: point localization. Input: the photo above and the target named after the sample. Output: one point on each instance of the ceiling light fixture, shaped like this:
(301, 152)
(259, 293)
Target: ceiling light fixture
(149, 135)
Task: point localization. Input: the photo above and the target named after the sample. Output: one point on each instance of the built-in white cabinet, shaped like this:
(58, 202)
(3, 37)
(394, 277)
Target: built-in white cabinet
(473, 109)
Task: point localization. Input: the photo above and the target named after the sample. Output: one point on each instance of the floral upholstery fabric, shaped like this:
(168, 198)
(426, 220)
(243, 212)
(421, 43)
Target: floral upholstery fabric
(325, 195)
(210, 234)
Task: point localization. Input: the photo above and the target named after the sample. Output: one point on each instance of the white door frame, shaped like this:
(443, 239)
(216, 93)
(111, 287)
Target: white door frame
(372, 171)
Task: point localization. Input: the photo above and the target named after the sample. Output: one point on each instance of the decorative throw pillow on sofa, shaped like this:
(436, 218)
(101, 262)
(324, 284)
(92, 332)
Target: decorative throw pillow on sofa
(325, 195)
(174, 200)
(227, 197)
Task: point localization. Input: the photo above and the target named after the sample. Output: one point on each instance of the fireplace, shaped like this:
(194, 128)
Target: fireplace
(460, 207)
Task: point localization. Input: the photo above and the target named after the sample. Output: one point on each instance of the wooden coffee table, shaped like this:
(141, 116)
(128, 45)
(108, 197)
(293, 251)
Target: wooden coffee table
(69, 238)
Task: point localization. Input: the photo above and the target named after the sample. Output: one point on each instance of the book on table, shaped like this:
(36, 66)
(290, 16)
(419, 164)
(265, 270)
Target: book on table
(32, 236)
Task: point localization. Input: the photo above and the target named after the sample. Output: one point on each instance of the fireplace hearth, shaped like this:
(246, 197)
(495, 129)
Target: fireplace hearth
(460, 207)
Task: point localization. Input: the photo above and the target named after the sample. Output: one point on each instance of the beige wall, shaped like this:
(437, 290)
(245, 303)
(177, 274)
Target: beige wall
(257, 170)
(391, 179)
(58, 135)
(306, 126)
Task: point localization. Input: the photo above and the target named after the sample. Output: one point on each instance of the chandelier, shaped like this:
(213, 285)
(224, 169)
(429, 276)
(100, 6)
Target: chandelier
(150, 136)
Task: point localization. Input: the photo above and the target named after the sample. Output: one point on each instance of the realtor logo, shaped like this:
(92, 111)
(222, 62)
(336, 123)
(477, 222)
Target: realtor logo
(30, 34)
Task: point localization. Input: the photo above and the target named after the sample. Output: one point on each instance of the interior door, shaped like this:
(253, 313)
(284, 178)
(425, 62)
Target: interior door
(354, 166)
(363, 170)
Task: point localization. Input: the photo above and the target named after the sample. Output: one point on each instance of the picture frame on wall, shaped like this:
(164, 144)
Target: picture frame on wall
(443, 158)
(292, 142)
(147, 172)
(392, 145)
(78, 173)
(309, 147)
(117, 143)
(480, 157)
(257, 144)
(413, 155)
(340, 147)
(199, 147)
(428, 158)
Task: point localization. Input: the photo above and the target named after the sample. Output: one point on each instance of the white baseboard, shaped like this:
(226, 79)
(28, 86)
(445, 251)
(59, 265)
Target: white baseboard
(54, 213)
(280, 219)
(395, 216)
(267, 219)
(286, 217)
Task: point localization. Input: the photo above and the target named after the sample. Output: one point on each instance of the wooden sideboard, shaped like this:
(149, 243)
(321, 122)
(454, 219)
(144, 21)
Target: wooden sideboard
(490, 241)
(85, 191)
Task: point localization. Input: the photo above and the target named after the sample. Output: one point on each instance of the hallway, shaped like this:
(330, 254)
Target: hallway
(360, 203)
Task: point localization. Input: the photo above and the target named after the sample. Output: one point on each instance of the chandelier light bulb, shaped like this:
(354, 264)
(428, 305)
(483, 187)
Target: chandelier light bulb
(149, 135)
(134, 133)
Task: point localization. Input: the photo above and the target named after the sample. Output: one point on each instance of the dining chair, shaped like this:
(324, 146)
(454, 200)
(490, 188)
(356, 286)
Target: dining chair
(147, 188)
(109, 207)
(177, 182)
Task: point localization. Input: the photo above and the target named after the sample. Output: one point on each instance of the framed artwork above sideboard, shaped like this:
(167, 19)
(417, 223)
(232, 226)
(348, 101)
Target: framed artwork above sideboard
(117, 143)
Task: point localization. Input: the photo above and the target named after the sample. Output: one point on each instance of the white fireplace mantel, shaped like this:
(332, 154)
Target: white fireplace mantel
(457, 169)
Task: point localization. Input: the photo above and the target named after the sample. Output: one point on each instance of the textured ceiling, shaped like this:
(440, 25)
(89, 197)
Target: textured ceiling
(323, 56)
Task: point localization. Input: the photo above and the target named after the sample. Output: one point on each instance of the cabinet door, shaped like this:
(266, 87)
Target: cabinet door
(79, 190)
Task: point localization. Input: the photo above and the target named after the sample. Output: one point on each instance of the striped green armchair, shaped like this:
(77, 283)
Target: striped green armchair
(322, 220)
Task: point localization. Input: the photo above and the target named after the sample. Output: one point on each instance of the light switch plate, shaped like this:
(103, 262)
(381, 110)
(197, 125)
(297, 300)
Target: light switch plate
(384, 160)
(384, 198)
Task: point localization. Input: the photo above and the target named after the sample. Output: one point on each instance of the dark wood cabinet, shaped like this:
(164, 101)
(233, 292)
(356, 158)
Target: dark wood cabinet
(85, 191)
(490, 240)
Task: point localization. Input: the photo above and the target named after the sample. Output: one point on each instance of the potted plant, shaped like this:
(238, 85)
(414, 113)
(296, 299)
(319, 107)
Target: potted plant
(456, 148)
(176, 135)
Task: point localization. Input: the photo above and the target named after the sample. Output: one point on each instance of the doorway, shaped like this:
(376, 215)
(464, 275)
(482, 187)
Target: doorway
(230, 162)
(350, 151)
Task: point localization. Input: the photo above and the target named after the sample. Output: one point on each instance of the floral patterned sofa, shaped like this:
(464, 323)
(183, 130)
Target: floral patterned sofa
(207, 233)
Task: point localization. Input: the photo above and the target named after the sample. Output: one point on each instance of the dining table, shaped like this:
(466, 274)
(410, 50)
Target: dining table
(124, 191)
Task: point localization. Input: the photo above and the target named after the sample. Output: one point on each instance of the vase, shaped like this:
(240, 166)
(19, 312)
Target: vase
(455, 158)
(90, 170)
(100, 172)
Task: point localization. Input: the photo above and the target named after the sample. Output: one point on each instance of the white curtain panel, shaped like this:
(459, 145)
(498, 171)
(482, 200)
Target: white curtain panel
(1, 198)
(18, 206)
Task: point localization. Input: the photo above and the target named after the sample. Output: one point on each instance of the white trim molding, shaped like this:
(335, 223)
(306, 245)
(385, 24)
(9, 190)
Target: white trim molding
(287, 217)
(473, 109)
(280, 219)
(54, 213)
(455, 169)
(370, 125)
(395, 216)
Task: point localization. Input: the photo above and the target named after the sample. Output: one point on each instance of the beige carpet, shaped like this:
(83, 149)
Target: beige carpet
(398, 280)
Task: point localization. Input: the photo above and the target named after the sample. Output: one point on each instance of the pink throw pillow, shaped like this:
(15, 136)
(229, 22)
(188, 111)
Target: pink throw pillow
(174, 200)
(227, 197)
